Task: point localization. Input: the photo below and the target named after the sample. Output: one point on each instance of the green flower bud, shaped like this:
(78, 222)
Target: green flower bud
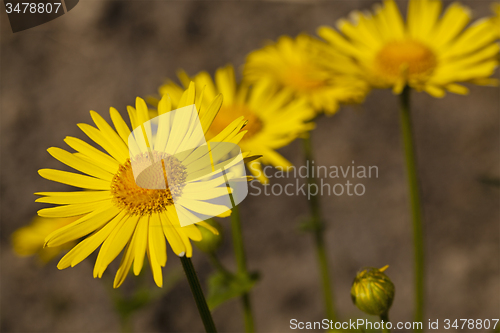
(372, 291)
(211, 238)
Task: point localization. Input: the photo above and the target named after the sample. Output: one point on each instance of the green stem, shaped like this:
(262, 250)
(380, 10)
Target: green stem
(318, 228)
(385, 318)
(239, 249)
(239, 252)
(418, 235)
(201, 303)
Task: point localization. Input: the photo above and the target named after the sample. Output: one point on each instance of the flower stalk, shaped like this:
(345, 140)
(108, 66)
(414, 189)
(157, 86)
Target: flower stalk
(201, 303)
(416, 210)
(317, 227)
(241, 264)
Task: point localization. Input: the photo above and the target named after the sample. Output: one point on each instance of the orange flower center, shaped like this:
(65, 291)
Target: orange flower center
(408, 57)
(228, 114)
(167, 173)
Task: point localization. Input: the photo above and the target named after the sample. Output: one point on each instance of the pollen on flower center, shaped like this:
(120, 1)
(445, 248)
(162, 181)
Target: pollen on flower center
(407, 57)
(229, 113)
(142, 201)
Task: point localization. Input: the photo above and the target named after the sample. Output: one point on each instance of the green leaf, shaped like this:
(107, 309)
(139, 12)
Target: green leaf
(223, 287)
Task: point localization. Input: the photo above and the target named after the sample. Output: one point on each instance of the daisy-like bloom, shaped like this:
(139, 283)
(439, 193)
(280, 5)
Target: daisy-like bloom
(117, 213)
(427, 52)
(496, 19)
(29, 240)
(291, 64)
(275, 118)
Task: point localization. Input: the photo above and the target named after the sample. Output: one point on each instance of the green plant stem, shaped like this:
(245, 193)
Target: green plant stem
(217, 264)
(241, 264)
(418, 235)
(318, 228)
(385, 318)
(201, 303)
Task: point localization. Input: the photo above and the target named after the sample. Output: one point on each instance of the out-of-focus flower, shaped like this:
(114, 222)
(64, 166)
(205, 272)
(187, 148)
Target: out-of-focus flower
(291, 64)
(372, 291)
(428, 53)
(210, 241)
(274, 117)
(117, 213)
(29, 240)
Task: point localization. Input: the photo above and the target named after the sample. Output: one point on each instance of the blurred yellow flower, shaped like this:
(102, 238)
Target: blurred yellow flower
(29, 240)
(428, 53)
(119, 214)
(290, 64)
(275, 118)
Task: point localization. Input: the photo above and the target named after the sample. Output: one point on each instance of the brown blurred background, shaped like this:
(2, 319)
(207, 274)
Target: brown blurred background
(105, 53)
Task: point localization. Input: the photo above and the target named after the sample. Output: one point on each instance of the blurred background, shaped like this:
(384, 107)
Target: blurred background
(105, 53)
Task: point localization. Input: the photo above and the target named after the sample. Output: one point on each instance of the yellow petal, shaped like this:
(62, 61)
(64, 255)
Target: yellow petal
(97, 136)
(225, 81)
(141, 241)
(104, 161)
(70, 210)
(120, 124)
(170, 231)
(157, 239)
(155, 267)
(115, 243)
(65, 198)
(126, 262)
(83, 226)
(88, 245)
(109, 133)
(79, 164)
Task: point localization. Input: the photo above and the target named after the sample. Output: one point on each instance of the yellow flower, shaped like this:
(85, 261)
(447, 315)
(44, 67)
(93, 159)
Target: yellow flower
(29, 240)
(428, 53)
(117, 213)
(291, 64)
(274, 118)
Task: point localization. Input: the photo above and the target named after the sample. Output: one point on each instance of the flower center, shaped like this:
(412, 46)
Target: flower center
(407, 57)
(167, 173)
(229, 113)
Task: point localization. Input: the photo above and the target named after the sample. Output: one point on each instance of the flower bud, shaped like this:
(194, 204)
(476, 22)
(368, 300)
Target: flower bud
(211, 238)
(372, 291)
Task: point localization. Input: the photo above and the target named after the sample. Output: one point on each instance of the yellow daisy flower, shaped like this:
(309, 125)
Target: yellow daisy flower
(29, 240)
(291, 64)
(119, 214)
(427, 52)
(274, 118)
(496, 19)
